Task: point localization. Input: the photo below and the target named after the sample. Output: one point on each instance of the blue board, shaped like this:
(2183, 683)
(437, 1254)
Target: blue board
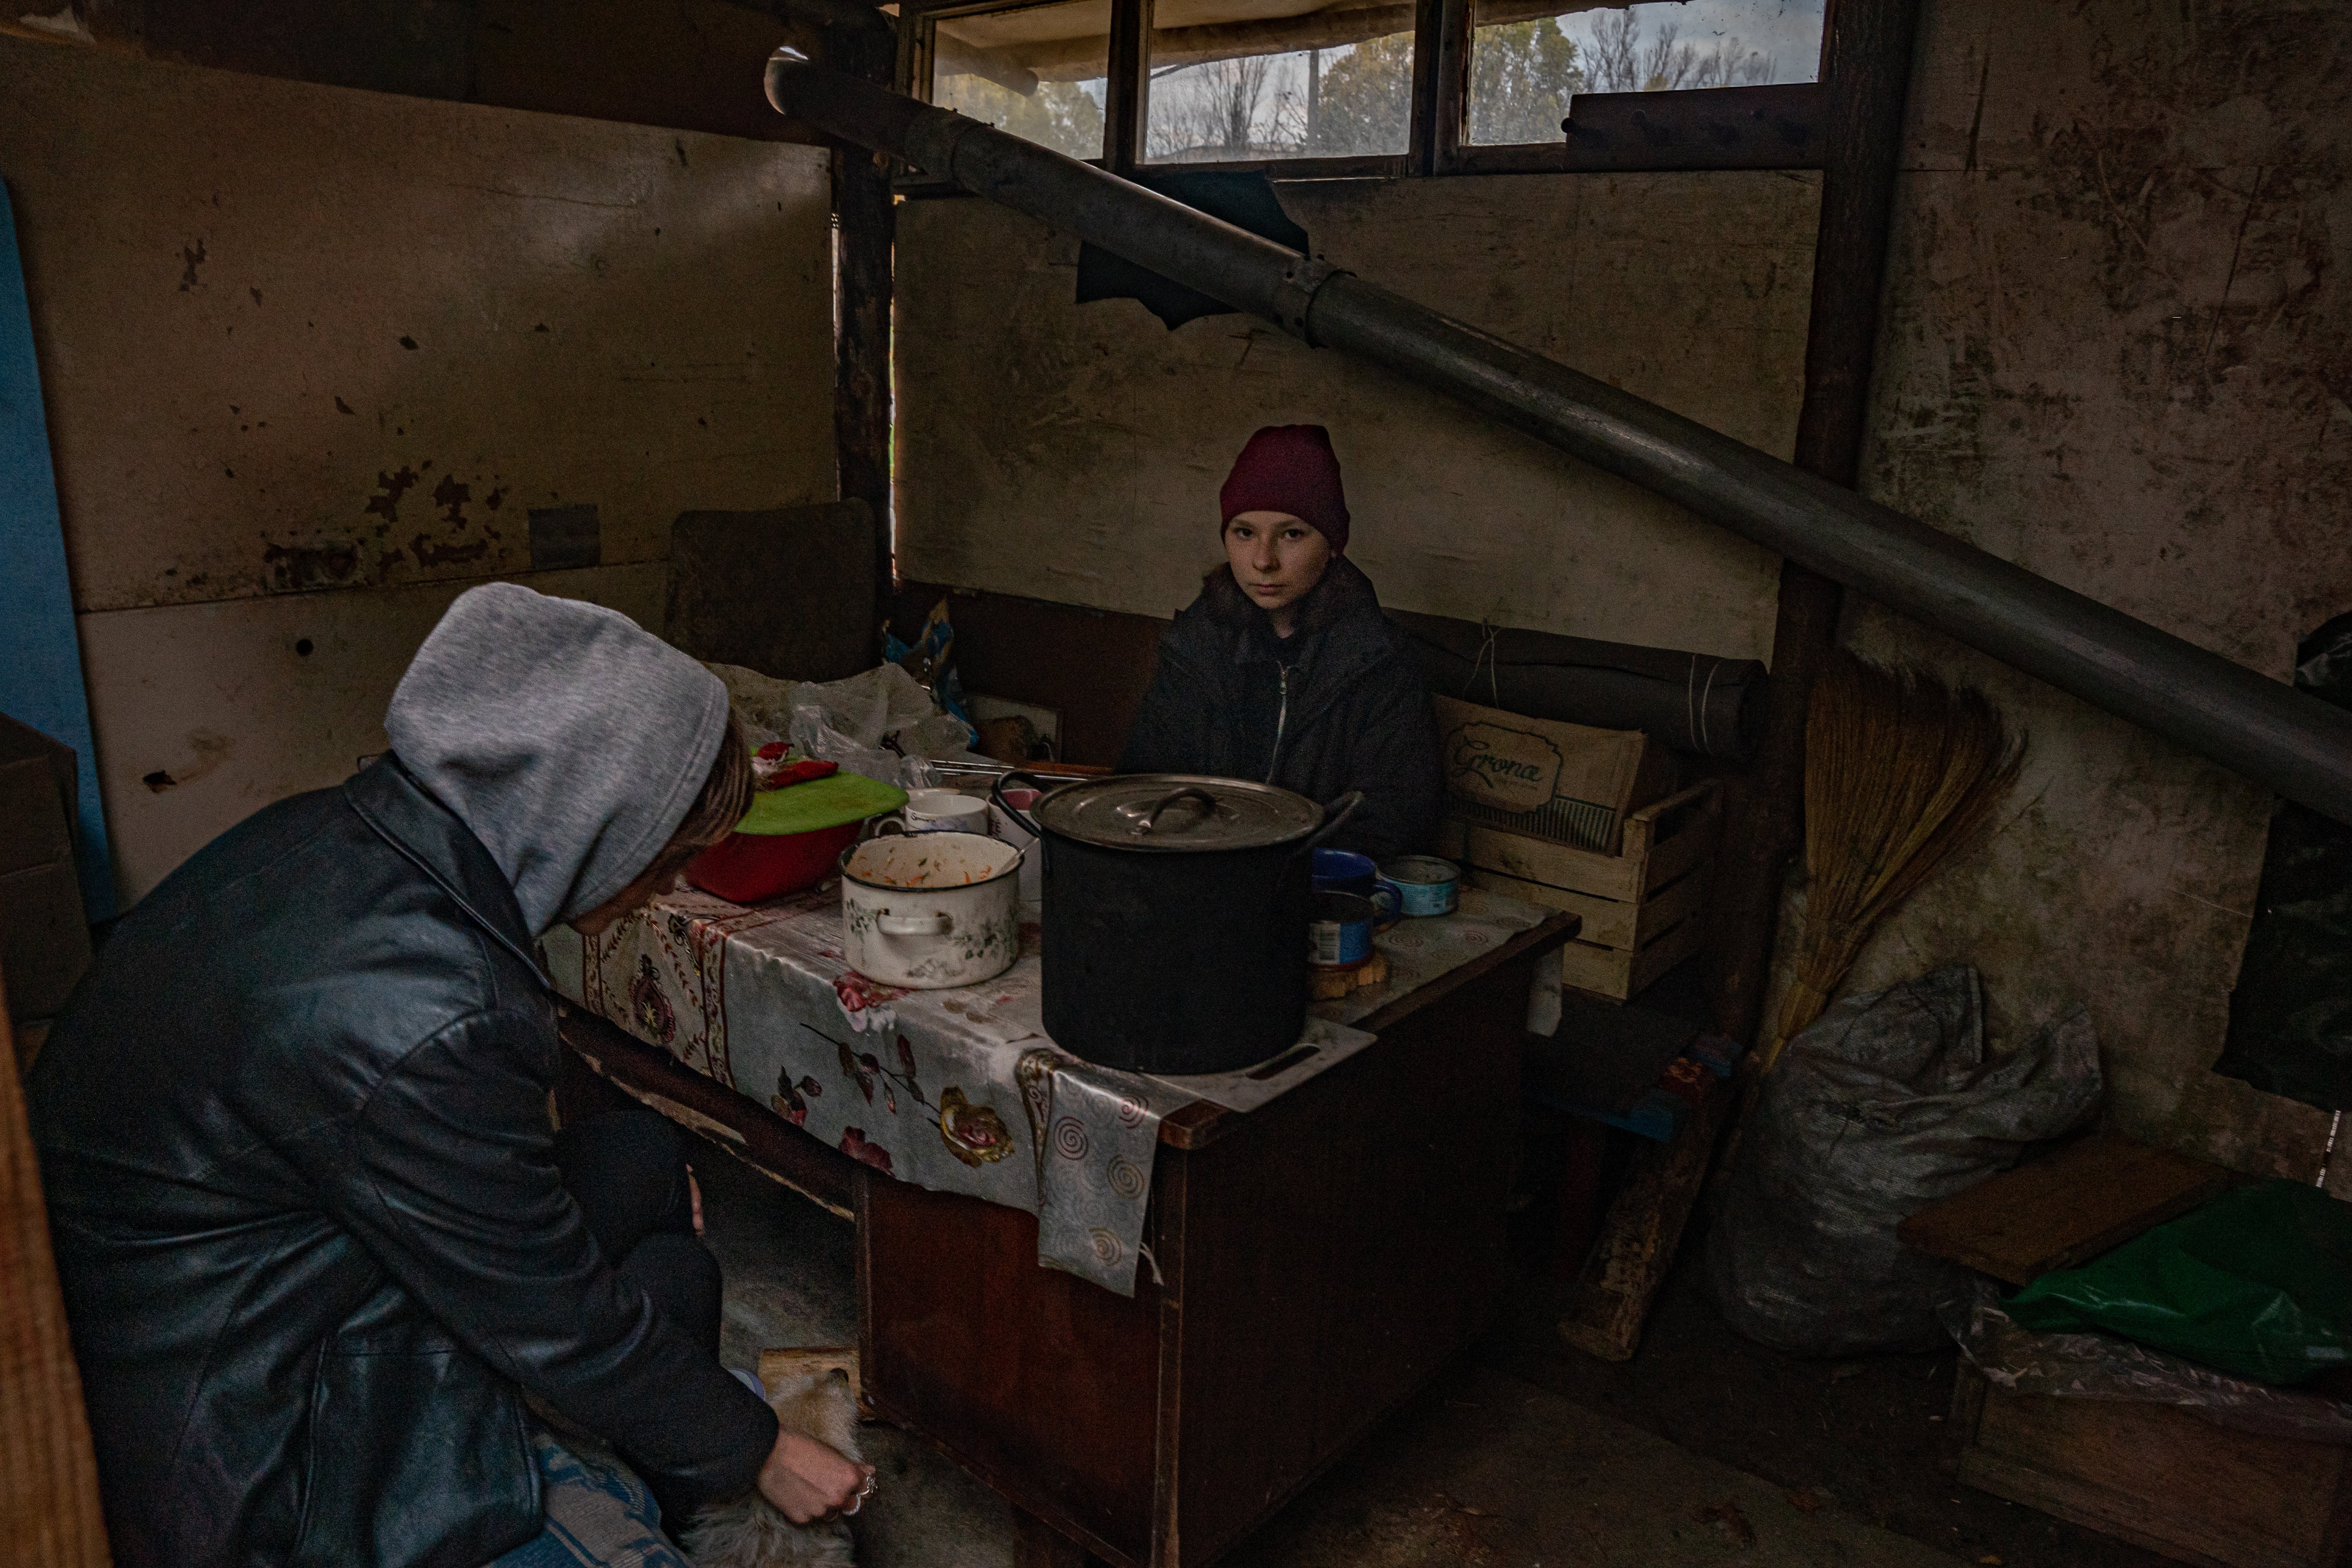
(40, 659)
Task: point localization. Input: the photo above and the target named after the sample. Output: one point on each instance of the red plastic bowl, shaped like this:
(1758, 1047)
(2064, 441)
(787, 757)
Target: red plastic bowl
(749, 868)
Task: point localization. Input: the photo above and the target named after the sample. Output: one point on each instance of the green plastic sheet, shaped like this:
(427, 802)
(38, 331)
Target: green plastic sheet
(2258, 1282)
(820, 803)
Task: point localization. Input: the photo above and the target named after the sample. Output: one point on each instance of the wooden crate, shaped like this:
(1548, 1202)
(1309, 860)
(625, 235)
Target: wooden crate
(1643, 907)
(2158, 1476)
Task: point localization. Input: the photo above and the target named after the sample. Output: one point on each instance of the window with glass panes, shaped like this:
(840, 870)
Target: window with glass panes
(1385, 87)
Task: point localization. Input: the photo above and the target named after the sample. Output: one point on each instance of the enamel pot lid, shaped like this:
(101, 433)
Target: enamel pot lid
(1177, 813)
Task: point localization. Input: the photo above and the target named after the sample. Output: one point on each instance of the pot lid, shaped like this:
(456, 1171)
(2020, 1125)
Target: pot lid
(1177, 812)
(820, 803)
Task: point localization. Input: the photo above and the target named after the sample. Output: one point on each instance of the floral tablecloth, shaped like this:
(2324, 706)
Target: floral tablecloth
(958, 1091)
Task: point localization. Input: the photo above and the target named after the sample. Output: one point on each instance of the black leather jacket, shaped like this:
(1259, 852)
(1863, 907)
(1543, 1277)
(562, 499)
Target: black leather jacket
(294, 1134)
(1350, 711)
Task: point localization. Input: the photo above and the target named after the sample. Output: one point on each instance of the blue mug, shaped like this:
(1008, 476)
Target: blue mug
(1344, 871)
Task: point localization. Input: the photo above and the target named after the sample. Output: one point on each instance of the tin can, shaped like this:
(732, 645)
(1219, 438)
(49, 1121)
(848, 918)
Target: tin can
(1428, 885)
(1339, 930)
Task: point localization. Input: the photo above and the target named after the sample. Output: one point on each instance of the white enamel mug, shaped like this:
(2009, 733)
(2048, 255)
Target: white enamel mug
(945, 811)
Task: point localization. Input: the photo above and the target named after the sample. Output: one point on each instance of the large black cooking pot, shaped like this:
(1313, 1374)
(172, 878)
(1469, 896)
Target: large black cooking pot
(1175, 921)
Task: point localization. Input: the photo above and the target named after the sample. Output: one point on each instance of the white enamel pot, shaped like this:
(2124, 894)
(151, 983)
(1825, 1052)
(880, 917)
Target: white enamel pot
(930, 911)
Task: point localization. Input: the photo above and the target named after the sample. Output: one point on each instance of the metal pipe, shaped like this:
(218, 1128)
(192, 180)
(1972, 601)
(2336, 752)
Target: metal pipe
(2290, 742)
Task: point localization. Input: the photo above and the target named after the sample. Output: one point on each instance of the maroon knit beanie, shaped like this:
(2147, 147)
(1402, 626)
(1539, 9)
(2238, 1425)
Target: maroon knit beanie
(1290, 468)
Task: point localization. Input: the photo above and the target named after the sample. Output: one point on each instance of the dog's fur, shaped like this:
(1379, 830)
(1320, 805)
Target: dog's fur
(748, 1533)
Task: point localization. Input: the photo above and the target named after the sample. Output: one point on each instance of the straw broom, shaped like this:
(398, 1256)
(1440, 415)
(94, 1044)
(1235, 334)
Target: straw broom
(1900, 770)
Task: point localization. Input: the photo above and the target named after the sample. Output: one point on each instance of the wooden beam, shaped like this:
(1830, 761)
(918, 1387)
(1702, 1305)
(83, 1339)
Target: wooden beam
(1866, 73)
(1125, 93)
(49, 1512)
(866, 218)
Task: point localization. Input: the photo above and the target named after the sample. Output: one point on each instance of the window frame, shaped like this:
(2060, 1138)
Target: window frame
(1773, 127)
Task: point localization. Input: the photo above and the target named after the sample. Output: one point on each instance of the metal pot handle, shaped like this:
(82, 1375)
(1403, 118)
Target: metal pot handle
(1335, 817)
(996, 799)
(1194, 791)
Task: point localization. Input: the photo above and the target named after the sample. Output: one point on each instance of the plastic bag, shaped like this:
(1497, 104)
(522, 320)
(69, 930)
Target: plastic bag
(879, 724)
(930, 660)
(2100, 1366)
(762, 704)
(1887, 1103)
(2257, 1282)
(2291, 1014)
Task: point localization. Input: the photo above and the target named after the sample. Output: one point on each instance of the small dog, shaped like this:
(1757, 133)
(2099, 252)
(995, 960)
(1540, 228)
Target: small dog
(748, 1533)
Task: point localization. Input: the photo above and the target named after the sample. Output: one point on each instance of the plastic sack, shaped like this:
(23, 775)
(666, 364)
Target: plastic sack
(762, 704)
(2291, 1014)
(1887, 1103)
(2100, 1366)
(2257, 1282)
(878, 722)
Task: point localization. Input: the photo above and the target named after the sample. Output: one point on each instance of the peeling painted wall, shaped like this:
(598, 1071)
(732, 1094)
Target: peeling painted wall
(2118, 349)
(1073, 453)
(336, 346)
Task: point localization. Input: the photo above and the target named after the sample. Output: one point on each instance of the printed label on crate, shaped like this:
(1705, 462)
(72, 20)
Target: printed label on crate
(1508, 770)
(1569, 784)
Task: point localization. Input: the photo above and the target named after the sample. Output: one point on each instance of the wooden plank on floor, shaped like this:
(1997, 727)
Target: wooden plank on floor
(1620, 1278)
(2055, 1213)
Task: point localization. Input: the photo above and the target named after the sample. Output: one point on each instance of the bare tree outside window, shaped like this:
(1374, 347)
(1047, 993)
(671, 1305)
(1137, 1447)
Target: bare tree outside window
(1523, 72)
(1624, 62)
(1226, 110)
(1350, 100)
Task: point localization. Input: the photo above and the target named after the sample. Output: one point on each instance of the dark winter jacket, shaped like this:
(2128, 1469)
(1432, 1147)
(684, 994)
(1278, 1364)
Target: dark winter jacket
(1340, 705)
(295, 1138)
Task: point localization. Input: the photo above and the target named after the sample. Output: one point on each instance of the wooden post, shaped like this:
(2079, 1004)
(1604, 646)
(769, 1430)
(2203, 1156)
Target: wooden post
(49, 1478)
(866, 228)
(1127, 92)
(1866, 49)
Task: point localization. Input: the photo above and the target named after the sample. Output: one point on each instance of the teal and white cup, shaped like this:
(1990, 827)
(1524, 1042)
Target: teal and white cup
(1425, 884)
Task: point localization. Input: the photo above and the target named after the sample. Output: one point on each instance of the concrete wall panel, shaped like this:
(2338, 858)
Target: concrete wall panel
(2118, 348)
(1074, 453)
(311, 355)
(206, 713)
(297, 337)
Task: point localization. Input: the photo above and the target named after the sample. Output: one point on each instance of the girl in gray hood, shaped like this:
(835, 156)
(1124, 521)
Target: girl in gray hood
(315, 1232)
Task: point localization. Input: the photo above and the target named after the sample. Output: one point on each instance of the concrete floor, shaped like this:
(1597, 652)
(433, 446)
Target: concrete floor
(1703, 1450)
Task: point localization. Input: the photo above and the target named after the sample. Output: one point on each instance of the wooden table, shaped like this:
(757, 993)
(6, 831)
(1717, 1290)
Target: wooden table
(1319, 1260)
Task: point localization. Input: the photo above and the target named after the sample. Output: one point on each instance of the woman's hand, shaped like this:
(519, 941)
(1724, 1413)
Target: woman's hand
(693, 1196)
(807, 1480)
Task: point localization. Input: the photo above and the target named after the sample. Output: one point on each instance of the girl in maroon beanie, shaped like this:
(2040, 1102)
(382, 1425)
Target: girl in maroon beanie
(1285, 669)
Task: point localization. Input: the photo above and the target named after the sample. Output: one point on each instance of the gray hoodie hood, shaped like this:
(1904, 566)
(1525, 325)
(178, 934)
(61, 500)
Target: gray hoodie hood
(569, 741)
